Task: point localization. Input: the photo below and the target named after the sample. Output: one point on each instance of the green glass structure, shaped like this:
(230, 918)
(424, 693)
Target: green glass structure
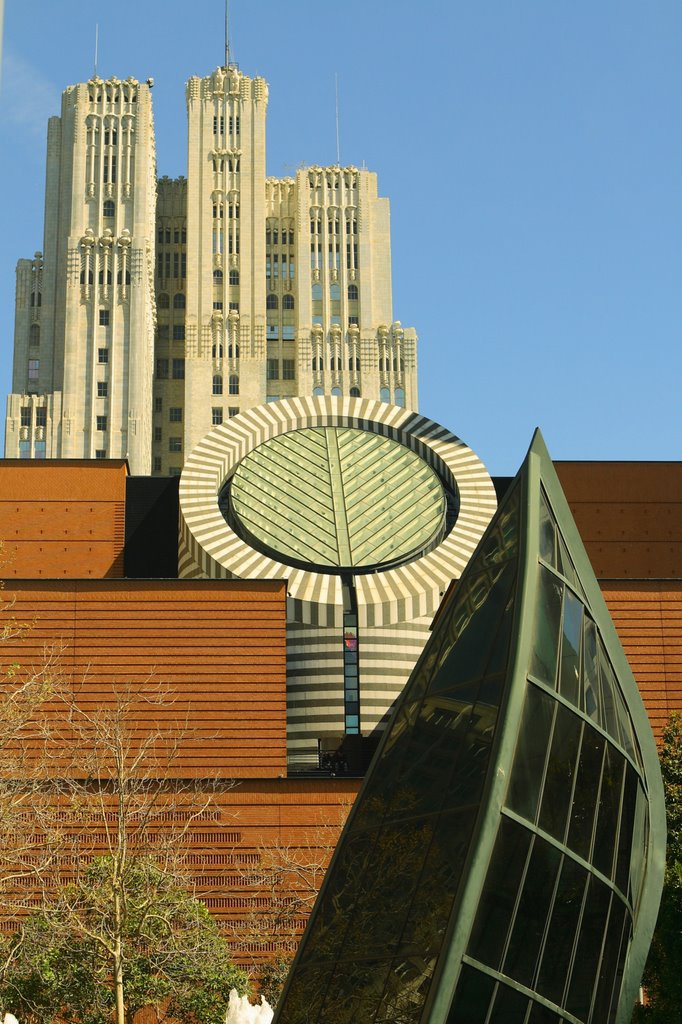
(503, 861)
(339, 498)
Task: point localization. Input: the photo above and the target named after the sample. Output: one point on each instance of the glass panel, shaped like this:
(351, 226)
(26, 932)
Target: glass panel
(566, 565)
(479, 610)
(471, 764)
(531, 916)
(569, 672)
(380, 791)
(547, 538)
(378, 902)
(609, 962)
(625, 726)
(625, 833)
(452, 624)
(590, 672)
(509, 1007)
(531, 751)
(502, 883)
(563, 755)
(438, 887)
(624, 948)
(541, 1015)
(562, 931)
(546, 631)
(609, 806)
(641, 839)
(581, 825)
(352, 992)
(490, 691)
(588, 950)
(608, 698)
(422, 936)
(472, 997)
(436, 744)
(307, 990)
(499, 655)
(336, 911)
(402, 726)
(502, 543)
(406, 989)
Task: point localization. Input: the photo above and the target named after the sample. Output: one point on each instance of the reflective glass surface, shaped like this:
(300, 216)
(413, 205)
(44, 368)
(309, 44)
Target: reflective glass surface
(532, 912)
(382, 918)
(472, 998)
(531, 752)
(559, 776)
(498, 900)
(542, 919)
(546, 633)
(509, 1006)
(552, 882)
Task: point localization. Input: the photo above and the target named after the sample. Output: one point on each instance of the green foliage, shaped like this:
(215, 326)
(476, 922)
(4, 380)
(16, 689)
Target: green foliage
(663, 972)
(174, 958)
(272, 976)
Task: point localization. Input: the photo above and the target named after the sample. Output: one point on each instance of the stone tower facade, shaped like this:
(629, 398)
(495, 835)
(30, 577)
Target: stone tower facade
(225, 324)
(84, 329)
(161, 309)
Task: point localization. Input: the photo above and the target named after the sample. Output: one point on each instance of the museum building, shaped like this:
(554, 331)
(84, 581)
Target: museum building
(284, 588)
(219, 482)
(504, 858)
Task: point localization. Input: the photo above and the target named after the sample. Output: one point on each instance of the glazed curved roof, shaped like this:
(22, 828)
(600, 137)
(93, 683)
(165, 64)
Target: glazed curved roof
(211, 544)
(338, 497)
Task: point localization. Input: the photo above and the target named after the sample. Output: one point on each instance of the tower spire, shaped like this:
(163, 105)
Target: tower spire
(227, 34)
(338, 148)
(96, 46)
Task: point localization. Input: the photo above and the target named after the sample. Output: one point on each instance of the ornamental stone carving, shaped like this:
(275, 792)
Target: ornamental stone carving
(218, 78)
(260, 90)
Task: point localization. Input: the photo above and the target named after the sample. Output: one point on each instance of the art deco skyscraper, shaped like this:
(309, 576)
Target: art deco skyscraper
(267, 288)
(161, 309)
(225, 322)
(83, 347)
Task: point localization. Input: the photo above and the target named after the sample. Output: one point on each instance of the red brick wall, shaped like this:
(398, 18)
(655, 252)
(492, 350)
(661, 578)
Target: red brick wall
(220, 646)
(648, 617)
(62, 519)
(629, 515)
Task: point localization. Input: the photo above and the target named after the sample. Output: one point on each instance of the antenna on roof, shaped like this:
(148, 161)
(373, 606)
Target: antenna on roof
(227, 34)
(338, 150)
(96, 47)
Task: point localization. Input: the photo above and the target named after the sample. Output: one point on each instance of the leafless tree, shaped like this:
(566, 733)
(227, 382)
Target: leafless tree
(289, 877)
(29, 833)
(96, 823)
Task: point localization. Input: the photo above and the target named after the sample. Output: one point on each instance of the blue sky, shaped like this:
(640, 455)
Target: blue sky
(532, 153)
